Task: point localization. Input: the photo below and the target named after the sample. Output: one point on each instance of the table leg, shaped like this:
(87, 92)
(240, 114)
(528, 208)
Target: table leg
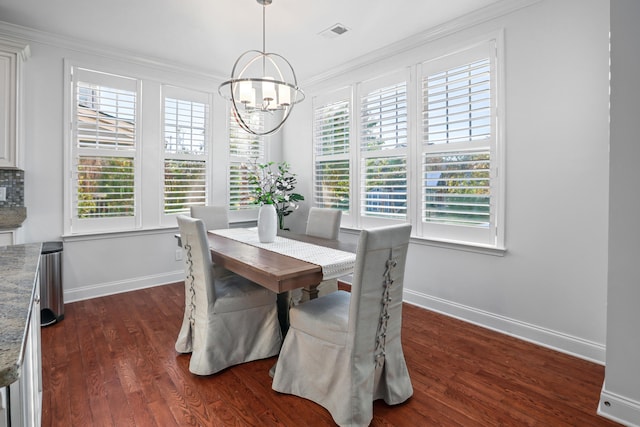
(283, 312)
(310, 293)
(284, 303)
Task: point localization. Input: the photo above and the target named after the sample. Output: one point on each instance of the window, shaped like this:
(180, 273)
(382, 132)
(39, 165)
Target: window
(383, 149)
(105, 146)
(331, 133)
(243, 149)
(459, 145)
(426, 149)
(136, 157)
(185, 137)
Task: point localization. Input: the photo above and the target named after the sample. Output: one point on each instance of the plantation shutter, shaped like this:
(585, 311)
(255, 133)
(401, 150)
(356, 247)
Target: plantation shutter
(331, 133)
(244, 148)
(104, 152)
(185, 136)
(383, 149)
(458, 169)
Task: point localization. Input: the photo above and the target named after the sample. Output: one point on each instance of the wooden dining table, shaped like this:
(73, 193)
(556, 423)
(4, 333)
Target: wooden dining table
(277, 272)
(274, 271)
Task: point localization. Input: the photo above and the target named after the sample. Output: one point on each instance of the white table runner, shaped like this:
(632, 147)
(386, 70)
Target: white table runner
(335, 263)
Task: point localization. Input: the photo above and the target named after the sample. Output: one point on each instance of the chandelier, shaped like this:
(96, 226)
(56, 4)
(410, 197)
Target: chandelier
(263, 88)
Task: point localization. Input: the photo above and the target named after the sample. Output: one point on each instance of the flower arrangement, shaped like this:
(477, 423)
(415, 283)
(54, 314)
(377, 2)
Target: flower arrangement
(269, 186)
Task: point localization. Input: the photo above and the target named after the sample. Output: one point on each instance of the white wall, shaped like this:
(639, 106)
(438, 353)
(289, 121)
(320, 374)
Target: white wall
(620, 397)
(550, 286)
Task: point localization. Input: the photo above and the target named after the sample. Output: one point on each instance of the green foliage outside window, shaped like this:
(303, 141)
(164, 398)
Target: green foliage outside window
(184, 185)
(458, 189)
(332, 184)
(105, 187)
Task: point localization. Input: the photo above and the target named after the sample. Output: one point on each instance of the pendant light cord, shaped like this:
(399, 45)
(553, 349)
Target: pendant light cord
(264, 37)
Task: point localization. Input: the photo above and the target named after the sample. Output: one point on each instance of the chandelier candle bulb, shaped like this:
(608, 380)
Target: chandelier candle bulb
(268, 90)
(284, 95)
(245, 93)
(252, 101)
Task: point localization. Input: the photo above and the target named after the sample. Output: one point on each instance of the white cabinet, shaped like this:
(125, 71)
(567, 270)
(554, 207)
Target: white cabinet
(7, 237)
(4, 413)
(12, 56)
(21, 402)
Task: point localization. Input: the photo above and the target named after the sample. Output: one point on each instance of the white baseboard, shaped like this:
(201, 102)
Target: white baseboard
(110, 288)
(552, 339)
(618, 408)
(558, 341)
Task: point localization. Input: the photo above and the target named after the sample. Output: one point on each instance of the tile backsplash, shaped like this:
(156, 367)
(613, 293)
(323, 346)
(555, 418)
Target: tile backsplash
(13, 180)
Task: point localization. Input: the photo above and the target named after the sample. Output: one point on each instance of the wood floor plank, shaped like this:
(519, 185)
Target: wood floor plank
(112, 362)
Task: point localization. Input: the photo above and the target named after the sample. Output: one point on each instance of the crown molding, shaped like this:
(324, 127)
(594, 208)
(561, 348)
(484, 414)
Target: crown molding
(16, 45)
(469, 20)
(17, 32)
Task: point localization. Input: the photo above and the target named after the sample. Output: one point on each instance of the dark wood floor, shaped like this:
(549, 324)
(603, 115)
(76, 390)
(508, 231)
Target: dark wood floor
(111, 362)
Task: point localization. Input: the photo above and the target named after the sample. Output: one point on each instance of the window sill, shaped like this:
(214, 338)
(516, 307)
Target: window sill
(454, 245)
(118, 234)
(97, 235)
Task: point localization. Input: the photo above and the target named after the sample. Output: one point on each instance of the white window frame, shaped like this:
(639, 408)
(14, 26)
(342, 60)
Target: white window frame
(151, 84)
(491, 236)
(73, 224)
(244, 211)
(402, 77)
(343, 95)
(186, 95)
(491, 239)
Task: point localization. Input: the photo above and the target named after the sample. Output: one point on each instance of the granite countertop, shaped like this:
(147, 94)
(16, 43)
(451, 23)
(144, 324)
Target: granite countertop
(18, 270)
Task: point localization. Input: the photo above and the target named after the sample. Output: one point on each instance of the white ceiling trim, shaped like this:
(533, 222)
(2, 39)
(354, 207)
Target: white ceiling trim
(20, 33)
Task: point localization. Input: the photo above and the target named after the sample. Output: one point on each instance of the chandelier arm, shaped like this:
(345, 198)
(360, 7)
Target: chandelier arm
(235, 81)
(249, 130)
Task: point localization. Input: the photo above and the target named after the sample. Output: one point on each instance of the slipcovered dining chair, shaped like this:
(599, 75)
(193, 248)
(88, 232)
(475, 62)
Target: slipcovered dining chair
(214, 217)
(323, 223)
(231, 320)
(343, 351)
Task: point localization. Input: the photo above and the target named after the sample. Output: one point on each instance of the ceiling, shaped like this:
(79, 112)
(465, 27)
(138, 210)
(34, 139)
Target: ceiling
(208, 35)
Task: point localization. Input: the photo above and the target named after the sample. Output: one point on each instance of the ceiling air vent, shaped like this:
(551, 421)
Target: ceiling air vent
(334, 31)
